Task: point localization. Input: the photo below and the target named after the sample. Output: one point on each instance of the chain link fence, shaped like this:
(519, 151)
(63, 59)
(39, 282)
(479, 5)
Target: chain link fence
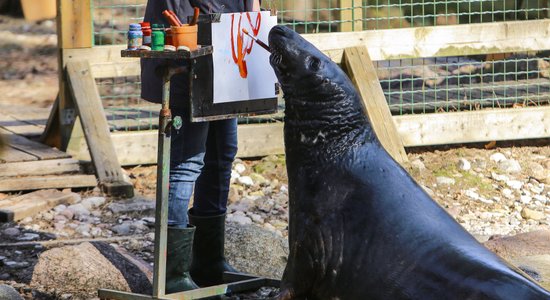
(411, 86)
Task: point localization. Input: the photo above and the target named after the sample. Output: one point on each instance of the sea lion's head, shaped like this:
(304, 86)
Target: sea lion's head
(322, 107)
(300, 67)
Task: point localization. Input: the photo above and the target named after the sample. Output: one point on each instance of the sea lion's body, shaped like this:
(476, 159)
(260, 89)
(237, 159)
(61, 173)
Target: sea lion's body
(360, 226)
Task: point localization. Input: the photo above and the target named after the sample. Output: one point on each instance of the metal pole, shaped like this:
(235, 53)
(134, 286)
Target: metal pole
(163, 172)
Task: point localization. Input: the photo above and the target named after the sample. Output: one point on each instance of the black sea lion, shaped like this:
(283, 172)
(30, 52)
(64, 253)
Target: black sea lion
(360, 226)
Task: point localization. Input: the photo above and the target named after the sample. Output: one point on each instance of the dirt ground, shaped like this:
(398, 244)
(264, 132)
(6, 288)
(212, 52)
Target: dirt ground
(478, 196)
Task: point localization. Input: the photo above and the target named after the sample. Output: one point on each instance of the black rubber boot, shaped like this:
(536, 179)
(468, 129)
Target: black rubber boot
(178, 259)
(208, 258)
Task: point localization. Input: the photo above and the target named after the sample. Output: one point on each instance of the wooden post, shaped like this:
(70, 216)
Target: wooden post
(96, 130)
(351, 15)
(74, 30)
(361, 71)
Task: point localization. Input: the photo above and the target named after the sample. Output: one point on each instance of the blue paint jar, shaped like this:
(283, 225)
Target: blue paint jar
(135, 36)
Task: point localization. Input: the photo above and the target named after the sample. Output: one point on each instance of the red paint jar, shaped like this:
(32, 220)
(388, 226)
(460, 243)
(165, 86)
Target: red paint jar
(146, 29)
(168, 37)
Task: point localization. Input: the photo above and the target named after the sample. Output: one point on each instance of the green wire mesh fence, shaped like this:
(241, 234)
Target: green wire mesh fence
(421, 85)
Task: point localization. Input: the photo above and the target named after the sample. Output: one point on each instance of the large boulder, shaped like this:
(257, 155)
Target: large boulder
(83, 269)
(9, 293)
(255, 250)
(528, 251)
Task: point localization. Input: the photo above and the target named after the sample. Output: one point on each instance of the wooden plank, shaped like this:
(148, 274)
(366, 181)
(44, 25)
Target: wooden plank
(432, 41)
(140, 147)
(20, 207)
(136, 148)
(260, 140)
(363, 74)
(127, 68)
(96, 129)
(10, 154)
(474, 126)
(74, 24)
(17, 126)
(351, 15)
(47, 182)
(39, 150)
(42, 167)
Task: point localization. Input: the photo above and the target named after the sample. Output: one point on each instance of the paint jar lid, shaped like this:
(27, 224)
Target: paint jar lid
(158, 26)
(145, 24)
(135, 26)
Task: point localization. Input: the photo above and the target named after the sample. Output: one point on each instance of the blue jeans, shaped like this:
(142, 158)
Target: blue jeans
(201, 157)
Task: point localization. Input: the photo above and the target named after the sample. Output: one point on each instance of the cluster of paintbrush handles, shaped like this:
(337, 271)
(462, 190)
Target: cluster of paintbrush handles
(155, 37)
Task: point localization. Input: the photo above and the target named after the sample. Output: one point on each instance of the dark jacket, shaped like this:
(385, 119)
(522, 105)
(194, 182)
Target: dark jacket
(151, 84)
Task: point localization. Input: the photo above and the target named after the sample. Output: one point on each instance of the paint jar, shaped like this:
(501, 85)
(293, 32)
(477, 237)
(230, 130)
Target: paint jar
(168, 40)
(135, 36)
(146, 29)
(185, 36)
(157, 38)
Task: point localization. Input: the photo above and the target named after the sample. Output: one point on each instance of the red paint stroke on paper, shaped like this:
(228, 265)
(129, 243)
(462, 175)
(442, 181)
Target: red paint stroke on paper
(241, 50)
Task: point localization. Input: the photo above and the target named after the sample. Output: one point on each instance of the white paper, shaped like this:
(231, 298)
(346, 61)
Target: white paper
(231, 83)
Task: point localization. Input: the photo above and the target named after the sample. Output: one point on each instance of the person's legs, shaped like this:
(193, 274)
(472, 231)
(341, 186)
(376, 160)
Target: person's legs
(212, 186)
(209, 205)
(188, 147)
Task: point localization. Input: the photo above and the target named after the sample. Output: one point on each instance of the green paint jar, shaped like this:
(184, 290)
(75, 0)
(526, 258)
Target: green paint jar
(157, 37)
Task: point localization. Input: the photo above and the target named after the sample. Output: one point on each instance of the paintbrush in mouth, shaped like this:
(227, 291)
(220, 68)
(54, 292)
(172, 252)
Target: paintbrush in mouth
(262, 44)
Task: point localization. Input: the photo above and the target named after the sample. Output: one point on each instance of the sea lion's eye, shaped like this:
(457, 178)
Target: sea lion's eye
(314, 63)
(326, 81)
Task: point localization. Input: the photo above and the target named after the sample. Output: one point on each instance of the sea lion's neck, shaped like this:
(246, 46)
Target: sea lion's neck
(330, 126)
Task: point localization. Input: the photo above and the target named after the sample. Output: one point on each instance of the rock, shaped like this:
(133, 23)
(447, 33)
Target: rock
(139, 226)
(245, 180)
(539, 172)
(26, 220)
(442, 180)
(510, 166)
(241, 220)
(93, 202)
(67, 213)
(11, 232)
(16, 264)
(83, 269)
(525, 199)
(239, 168)
(78, 210)
(256, 251)
(497, 157)
(259, 179)
(122, 229)
(508, 193)
(418, 165)
(234, 175)
(83, 229)
(9, 293)
(529, 214)
(29, 237)
(514, 184)
(135, 205)
(96, 231)
(529, 251)
(60, 208)
(464, 165)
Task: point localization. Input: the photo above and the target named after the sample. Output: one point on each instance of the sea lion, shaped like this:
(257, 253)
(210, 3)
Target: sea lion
(360, 226)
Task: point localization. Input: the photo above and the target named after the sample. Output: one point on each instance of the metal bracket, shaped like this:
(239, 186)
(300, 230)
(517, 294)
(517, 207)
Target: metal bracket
(68, 116)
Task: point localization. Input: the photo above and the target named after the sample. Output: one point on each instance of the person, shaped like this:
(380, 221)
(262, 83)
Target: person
(201, 157)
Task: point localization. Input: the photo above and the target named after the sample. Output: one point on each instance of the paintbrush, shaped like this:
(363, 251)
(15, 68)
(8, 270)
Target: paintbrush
(266, 47)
